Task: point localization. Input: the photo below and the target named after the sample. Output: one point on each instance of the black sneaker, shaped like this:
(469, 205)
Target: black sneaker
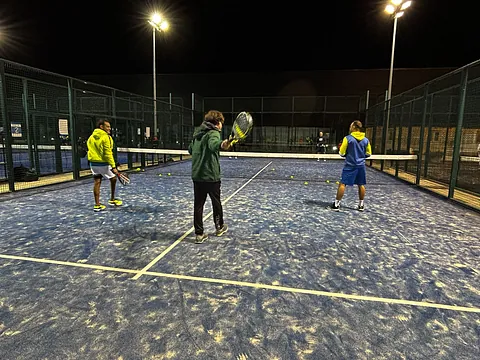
(222, 230)
(200, 239)
(361, 208)
(335, 207)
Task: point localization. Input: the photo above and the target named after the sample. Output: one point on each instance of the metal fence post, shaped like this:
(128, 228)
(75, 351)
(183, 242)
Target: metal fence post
(114, 117)
(27, 122)
(429, 137)
(409, 132)
(193, 110)
(383, 145)
(400, 133)
(367, 104)
(7, 128)
(422, 132)
(73, 131)
(458, 134)
(142, 133)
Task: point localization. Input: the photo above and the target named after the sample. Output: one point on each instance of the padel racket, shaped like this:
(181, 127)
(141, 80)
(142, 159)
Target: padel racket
(241, 127)
(123, 178)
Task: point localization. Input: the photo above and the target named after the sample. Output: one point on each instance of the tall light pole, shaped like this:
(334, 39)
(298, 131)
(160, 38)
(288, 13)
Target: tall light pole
(158, 24)
(396, 8)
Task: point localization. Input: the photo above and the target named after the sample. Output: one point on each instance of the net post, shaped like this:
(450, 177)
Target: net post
(7, 128)
(422, 132)
(73, 130)
(458, 133)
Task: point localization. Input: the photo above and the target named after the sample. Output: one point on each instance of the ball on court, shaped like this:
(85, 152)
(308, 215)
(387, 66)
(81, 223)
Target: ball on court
(159, 174)
(306, 182)
(169, 174)
(138, 169)
(327, 181)
(291, 177)
(273, 169)
(338, 182)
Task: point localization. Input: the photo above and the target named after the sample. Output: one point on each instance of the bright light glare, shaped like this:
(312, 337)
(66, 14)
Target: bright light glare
(397, 2)
(390, 9)
(156, 18)
(164, 26)
(406, 5)
(400, 14)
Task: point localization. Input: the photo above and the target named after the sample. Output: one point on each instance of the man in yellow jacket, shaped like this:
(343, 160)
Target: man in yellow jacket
(102, 163)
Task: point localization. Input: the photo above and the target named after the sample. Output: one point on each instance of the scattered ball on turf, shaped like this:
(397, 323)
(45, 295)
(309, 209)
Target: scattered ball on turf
(273, 169)
(159, 174)
(138, 169)
(291, 177)
(338, 182)
(306, 182)
(169, 174)
(327, 181)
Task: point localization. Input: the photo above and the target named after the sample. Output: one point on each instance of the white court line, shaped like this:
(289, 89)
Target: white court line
(180, 239)
(248, 284)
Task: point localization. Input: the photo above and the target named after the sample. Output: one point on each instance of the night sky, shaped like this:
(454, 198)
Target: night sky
(113, 37)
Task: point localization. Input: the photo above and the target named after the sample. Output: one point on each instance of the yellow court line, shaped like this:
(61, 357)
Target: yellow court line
(251, 285)
(181, 238)
(68, 263)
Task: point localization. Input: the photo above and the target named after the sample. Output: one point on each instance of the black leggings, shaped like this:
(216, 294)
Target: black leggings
(201, 189)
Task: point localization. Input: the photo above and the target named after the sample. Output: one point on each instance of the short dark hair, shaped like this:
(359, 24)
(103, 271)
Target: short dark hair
(215, 117)
(357, 124)
(102, 122)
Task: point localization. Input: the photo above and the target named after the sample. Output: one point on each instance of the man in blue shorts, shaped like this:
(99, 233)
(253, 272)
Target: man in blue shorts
(355, 149)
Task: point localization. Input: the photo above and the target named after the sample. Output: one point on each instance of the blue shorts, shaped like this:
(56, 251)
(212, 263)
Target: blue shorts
(354, 176)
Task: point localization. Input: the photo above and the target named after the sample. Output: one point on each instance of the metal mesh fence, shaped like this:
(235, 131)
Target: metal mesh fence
(290, 123)
(50, 118)
(440, 122)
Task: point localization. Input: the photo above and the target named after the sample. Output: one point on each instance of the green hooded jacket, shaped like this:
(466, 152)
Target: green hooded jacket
(205, 151)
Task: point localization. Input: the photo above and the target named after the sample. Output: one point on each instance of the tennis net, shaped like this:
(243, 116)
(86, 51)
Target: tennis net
(276, 166)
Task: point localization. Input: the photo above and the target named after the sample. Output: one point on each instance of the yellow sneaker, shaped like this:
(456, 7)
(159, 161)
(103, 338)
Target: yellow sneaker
(115, 202)
(98, 208)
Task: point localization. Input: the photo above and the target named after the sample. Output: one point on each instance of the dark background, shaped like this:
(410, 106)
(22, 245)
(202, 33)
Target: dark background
(290, 47)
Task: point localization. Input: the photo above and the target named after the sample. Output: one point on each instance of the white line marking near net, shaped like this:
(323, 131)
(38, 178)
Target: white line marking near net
(181, 238)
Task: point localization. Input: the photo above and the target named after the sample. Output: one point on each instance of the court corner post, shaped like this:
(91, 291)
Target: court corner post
(6, 128)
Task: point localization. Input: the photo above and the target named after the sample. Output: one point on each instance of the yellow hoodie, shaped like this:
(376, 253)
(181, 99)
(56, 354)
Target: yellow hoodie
(100, 148)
